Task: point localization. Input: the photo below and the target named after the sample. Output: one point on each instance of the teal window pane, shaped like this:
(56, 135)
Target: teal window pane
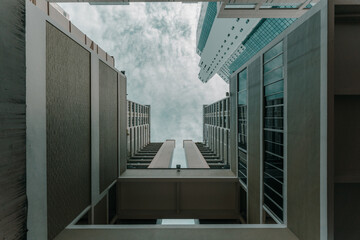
(242, 98)
(275, 63)
(277, 49)
(243, 74)
(273, 76)
(273, 88)
(242, 80)
(242, 84)
(209, 18)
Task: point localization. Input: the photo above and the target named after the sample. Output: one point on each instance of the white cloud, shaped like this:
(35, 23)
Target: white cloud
(155, 43)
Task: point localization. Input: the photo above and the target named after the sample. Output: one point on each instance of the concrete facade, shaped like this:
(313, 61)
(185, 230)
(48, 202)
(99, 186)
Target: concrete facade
(138, 127)
(302, 120)
(216, 134)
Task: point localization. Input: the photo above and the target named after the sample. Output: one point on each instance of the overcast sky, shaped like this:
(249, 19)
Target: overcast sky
(155, 43)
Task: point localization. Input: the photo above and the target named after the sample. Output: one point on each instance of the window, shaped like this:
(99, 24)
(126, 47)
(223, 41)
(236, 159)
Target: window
(242, 126)
(273, 175)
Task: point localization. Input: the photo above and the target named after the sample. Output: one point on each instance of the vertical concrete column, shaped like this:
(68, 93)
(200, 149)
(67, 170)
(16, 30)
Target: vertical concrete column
(122, 122)
(194, 158)
(95, 130)
(36, 179)
(164, 156)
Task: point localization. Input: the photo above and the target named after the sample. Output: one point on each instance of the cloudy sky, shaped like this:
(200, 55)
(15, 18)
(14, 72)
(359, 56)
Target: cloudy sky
(155, 43)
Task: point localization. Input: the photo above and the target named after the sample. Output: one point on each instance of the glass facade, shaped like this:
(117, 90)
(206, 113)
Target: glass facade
(265, 31)
(242, 126)
(273, 165)
(207, 25)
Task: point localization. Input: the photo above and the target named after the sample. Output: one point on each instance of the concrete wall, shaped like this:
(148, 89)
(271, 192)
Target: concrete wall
(303, 129)
(68, 129)
(177, 197)
(12, 120)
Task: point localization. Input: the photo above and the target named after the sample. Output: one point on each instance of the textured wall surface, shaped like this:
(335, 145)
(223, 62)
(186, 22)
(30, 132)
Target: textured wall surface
(12, 120)
(123, 122)
(68, 129)
(108, 104)
(254, 83)
(303, 132)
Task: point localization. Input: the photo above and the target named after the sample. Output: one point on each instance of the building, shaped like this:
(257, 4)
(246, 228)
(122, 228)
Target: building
(225, 44)
(216, 133)
(64, 148)
(218, 38)
(142, 153)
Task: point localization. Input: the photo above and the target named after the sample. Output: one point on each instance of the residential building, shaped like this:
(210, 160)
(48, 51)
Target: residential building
(225, 44)
(218, 38)
(142, 153)
(216, 134)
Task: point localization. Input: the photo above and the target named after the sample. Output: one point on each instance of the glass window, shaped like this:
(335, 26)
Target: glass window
(274, 63)
(242, 126)
(273, 76)
(276, 50)
(273, 175)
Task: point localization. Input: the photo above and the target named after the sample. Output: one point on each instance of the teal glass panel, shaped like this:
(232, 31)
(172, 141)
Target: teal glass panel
(273, 88)
(274, 63)
(243, 74)
(264, 32)
(209, 18)
(273, 76)
(242, 81)
(276, 50)
(242, 98)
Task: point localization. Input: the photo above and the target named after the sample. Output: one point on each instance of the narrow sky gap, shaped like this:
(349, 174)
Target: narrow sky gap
(155, 43)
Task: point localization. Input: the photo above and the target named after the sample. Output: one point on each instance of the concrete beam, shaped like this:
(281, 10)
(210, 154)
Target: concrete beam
(164, 156)
(194, 158)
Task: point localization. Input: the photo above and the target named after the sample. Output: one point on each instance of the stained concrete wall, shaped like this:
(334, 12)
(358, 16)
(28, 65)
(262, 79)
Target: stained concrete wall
(13, 199)
(254, 151)
(303, 129)
(68, 129)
